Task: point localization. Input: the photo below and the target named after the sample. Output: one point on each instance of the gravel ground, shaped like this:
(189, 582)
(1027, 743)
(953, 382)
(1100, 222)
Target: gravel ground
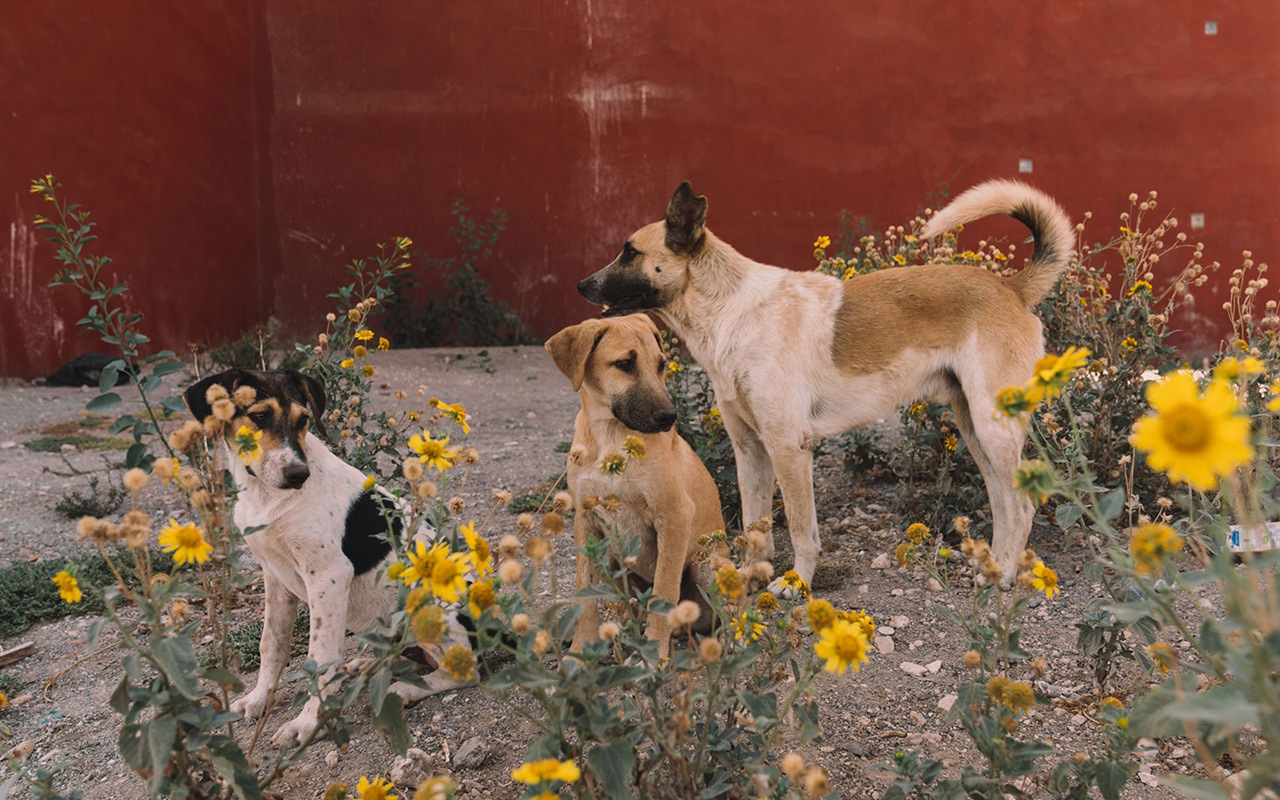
(520, 408)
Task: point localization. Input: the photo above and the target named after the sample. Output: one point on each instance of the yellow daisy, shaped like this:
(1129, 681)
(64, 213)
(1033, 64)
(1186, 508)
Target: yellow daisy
(748, 627)
(480, 557)
(422, 561)
(186, 542)
(1052, 373)
(1150, 545)
(1193, 438)
(68, 587)
(247, 444)
(432, 452)
(1046, 580)
(447, 580)
(548, 769)
(843, 645)
(454, 411)
(376, 789)
(364, 335)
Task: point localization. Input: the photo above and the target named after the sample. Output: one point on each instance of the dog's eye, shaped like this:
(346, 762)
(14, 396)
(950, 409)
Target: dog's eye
(260, 418)
(625, 364)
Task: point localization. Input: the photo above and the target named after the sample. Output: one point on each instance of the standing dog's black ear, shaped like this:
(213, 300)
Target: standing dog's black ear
(313, 391)
(195, 396)
(571, 348)
(686, 215)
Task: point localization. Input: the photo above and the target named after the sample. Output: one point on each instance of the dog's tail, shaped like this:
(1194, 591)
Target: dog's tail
(1050, 228)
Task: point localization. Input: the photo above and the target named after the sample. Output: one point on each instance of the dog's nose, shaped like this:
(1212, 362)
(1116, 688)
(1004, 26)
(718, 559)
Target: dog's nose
(584, 286)
(295, 475)
(664, 419)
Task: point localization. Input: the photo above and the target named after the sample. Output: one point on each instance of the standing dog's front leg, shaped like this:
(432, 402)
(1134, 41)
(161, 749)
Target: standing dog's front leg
(328, 592)
(755, 473)
(274, 646)
(793, 461)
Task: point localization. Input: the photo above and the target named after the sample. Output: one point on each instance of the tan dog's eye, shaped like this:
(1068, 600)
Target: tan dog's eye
(260, 418)
(625, 364)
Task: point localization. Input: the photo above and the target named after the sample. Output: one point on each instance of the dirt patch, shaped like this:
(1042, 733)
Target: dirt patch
(521, 410)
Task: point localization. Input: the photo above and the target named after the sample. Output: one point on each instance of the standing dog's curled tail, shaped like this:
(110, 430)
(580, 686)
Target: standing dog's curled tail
(1050, 228)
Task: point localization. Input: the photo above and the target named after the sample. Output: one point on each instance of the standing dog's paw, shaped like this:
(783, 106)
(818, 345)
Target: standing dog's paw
(785, 589)
(251, 705)
(297, 729)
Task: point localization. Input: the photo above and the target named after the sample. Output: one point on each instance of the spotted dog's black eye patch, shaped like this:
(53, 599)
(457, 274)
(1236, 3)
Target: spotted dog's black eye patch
(362, 539)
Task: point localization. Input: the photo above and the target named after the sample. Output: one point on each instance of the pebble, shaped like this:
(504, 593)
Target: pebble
(915, 644)
(933, 667)
(864, 588)
(933, 585)
(1148, 779)
(896, 593)
(1078, 719)
(884, 644)
(898, 621)
(881, 561)
(912, 668)
(917, 718)
(22, 751)
(887, 630)
(331, 758)
(9, 445)
(472, 754)
(413, 768)
(21, 700)
(947, 701)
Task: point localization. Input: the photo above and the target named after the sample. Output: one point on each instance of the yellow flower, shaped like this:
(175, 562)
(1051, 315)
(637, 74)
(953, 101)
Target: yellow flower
(186, 542)
(633, 446)
(849, 272)
(712, 420)
(1273, 391)
(862, 619)
(1034, 479)
(364, 335)
(359, 351)
(822, 242)
(68, 587)
(459, 662)
(902, 554)
(792, 580)
(900, 258)
(369, 481)
(767, 602)
(1163, 655)
(950, 443)
(843, 645)
(1150, 545)
(1229, 369)
(1014, 401)
(674, 367)
(1125, 230)
(1193, 438)
(748, 627)
(1140, 286)
(917, 532)
(367, 369)
(1128, 343)
(432, 452)
(347, 363)
(454, 411)
(548, 769)
(447, 579)
(247, 444)
(481, 557)
(422, 561)
(909, 238)
(1113, 702)
(729, 580)
(383, 344)
(1046, 580)
(1020, 697)
(1052, 373)
(375, 790)
(821, 614)
(480, 598)
(613, 464)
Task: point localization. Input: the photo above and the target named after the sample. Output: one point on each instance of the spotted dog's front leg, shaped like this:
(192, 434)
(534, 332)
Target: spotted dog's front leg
(328, 591)
(274, 646)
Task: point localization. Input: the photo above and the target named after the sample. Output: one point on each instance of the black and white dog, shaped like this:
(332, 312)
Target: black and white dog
(319, 539)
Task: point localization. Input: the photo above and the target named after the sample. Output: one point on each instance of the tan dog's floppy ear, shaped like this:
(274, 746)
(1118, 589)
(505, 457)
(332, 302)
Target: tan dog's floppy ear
(571, 348)
(686, 215)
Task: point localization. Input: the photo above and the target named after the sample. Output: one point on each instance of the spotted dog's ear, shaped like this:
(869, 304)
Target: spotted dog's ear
(196, 396)
(571, 349)
(313, 391)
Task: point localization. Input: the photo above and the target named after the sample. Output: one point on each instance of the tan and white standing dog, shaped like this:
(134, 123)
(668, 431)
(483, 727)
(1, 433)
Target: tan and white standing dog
(794, 356)
(666, 497)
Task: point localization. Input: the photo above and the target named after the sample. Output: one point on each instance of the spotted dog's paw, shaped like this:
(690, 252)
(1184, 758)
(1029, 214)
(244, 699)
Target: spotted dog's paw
(251, 705)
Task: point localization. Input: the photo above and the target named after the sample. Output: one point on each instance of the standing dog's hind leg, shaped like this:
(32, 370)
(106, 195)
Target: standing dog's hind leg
(793, 462)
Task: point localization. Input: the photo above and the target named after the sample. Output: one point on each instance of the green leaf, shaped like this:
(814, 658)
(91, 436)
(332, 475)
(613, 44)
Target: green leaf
(103, 402)
(390, 723)
(597, 591)
(1067, 514)
(121, 423)
(160, 737)
(168, 368)
(136, 456)
(110, 373)
(228, 759)
(163, 354)
(1111, 778)
(120, 697)
(378, 686)
(178, 660)
(224, 677)
(1111, 504)
(613, 766)
(133, 746)
(1198, 788)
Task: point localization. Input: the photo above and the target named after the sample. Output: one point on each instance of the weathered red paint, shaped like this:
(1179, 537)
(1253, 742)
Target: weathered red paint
(240, 154)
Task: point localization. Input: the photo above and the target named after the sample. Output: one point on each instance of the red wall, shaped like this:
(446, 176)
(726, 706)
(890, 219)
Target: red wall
(275, 145)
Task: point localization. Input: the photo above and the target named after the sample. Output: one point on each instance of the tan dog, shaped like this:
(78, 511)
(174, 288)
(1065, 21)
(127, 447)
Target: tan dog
(667, 497)
(794, 356)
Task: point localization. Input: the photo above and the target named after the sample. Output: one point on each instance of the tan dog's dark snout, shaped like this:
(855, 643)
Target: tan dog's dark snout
(616, 363)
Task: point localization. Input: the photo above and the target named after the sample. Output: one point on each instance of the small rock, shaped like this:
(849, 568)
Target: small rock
(22, 751)
(915, 644)
(933, 585)
(472, 754)
(331, 758)
(413, 768)
(896, 593)
(917, 718)
(933, 667)
(899, 621)
(21, 700)
(864, 588)
(914, 739)
(856, 748)
(913, 669)
(881, 561)
(884, 644)
(1147, 749)
(26, 554)
(1078, 719)
(69, 448)
(531, 415)
(9, 445)
(886, 630)
(933, 738)
(947, 701)
(1148, 779)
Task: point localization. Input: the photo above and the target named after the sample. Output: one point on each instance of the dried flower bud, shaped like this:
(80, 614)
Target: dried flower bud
(553, 523)
(710, 650)
(520, 624)
(510, 571)
(562, 502)
(525, 522)
(135, 480)
(609, 631)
